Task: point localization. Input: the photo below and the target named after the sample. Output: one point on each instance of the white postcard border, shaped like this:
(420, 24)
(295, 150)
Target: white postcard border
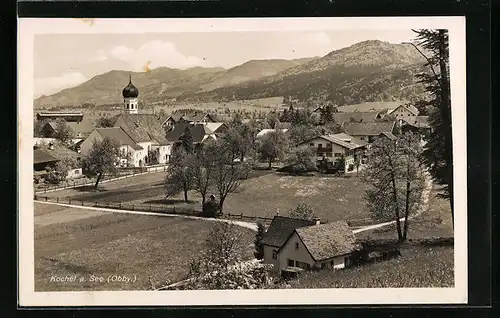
(29, 27)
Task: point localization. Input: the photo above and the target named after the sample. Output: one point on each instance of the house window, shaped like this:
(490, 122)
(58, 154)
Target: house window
(328, 154)
(291, 262)
(332, 263)
(275, 254)
(296, 246)
(311, 144)
(338, 155)
(320, 146)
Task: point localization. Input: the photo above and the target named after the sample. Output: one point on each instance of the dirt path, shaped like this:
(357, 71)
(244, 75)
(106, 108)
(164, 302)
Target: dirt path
(424, 207)
(45, 219)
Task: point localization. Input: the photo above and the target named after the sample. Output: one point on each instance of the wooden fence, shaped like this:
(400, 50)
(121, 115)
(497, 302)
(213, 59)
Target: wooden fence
(121, 206)
(168, 209)
(124, 173)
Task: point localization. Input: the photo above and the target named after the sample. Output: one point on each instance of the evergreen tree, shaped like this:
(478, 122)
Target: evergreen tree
(438, 152)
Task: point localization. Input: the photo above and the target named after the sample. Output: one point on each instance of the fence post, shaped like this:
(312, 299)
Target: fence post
(69, 200)
(57, 199)
(174, 209)
(241, 216)
(95, 204)
(46, 198)
(82, 202)
(120, 205)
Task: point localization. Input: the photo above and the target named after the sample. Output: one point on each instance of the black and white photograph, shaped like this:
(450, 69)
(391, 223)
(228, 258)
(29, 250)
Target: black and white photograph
(242, 161)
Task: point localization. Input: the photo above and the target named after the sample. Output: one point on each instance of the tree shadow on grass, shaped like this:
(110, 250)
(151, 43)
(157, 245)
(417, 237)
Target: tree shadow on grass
(170, 201)
(89, 188)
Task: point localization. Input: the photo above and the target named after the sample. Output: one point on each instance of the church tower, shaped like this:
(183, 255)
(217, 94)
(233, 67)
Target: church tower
(130, 94)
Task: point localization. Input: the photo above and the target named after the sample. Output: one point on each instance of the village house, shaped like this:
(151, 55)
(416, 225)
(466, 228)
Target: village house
(200, 133)
(293, 245)
(194, 117)
(317, 246)
(332, 148)
(141, 136)
(388, 135)
(404, 112)
(48, 154)
(41, 160)
(130, 153)
(67, 116)
(359, 117)
(368, 132)
(48, 130)
(277, 234)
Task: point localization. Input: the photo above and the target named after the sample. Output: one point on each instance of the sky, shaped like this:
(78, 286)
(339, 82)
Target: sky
(67, 60)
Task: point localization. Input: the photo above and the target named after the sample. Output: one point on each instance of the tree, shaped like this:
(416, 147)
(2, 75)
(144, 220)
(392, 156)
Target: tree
(63, 132)
(187, 141)
(302, 159)
(438, 152)
(104, 122)
(272, 119)
(302, 211)
(228, 176)
(326, 114)
(60, 171)
(395, 179)
(101, 159)
(272, 146)
(203, 170)
(179, 174)
(259, 248)
(218, 265)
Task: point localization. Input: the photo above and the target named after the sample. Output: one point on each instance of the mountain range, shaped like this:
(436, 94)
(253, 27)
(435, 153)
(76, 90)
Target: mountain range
(367, 71)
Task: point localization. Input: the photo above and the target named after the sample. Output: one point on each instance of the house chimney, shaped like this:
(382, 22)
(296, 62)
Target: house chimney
(317, 220)
(277, 212)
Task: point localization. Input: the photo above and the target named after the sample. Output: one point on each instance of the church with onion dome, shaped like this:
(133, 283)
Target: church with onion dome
(130, 97)
(140, 135)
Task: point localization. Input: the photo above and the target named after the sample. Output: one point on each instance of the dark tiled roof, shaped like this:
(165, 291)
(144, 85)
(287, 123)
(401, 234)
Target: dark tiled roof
(41, 156)
(198, 131)
(365, 117)
(118, 134)
(389, 135)
(280, 230)
(368, 129)
(328, 240)
(418, 121)
(143, 127)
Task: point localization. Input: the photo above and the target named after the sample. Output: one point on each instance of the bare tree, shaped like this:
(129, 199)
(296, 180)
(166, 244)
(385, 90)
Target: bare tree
(396, 180)
(228, 176)
(179, 174)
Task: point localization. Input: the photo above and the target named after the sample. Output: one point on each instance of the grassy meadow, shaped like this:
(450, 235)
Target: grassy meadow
(104, 244)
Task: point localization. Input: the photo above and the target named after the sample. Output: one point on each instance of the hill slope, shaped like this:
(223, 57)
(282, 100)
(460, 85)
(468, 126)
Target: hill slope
(367, 71)
(164, 83)
(253, 70)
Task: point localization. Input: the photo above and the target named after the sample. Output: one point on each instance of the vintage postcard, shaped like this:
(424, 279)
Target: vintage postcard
(272, 161)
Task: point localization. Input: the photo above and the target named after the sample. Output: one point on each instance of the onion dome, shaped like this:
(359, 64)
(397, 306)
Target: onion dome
(130, 91)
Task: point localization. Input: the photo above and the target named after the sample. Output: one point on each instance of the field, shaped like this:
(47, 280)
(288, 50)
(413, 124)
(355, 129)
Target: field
(264, 194)
(416, 267)
(85, 243)
(435, 221)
